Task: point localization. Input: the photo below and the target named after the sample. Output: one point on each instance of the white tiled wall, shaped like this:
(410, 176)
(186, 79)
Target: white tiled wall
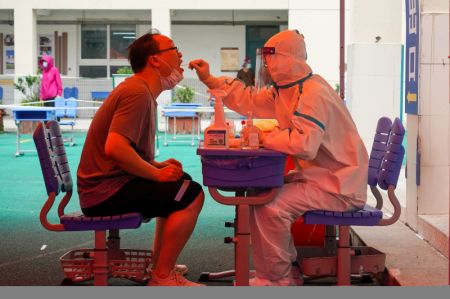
(433, 132)
(434, 89)
(373, 88)
(434, 38)
(433, 192)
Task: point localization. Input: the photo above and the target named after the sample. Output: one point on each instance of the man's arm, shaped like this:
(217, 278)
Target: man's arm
(119, 150)
(309, 123)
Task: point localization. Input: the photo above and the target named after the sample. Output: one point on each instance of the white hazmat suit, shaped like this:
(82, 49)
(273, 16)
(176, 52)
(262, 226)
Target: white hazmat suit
(316, 129)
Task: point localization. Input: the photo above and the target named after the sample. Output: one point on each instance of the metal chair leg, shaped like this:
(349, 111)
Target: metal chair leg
(100, 270)
(343, 256)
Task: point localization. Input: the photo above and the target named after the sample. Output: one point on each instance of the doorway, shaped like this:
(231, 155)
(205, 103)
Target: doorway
(256, 37)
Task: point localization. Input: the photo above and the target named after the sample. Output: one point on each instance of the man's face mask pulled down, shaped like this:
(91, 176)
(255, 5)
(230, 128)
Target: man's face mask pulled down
(172, 79)
(175, 76)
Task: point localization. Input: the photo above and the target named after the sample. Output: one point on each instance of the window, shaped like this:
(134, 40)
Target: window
(104, 48)
(93, 71)
(121, 37)
(93, 41)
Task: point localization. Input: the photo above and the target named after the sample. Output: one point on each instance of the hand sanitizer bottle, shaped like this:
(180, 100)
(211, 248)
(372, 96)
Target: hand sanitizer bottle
(216, 135)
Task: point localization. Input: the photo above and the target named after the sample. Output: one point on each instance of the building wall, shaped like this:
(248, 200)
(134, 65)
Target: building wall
(205, 42)
(72, 44)
(376, 18)
(433, 191)
(373, 85)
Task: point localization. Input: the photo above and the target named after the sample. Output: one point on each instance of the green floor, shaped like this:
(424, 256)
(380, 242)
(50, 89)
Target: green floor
(22, 193)
(24, 260)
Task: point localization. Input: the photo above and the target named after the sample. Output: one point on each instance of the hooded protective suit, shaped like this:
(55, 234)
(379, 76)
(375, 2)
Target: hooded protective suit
(316, 129)
(51, 80)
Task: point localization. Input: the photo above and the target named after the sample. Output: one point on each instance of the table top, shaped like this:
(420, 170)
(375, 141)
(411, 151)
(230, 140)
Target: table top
(197, 109)
(33, 108)
(202, 151)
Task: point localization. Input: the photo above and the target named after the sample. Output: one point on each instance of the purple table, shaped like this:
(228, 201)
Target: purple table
(241, 171)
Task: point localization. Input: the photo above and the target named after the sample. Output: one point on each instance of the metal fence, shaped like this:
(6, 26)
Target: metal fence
(86, 86)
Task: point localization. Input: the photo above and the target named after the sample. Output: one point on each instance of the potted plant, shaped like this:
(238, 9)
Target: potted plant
(121, 74)
(184, 95)
(29, 87)
(124, 70)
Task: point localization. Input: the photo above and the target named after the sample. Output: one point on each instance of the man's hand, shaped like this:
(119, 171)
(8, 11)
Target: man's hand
(168, 162)
(201, 67)
(170, 173)
(173, 161)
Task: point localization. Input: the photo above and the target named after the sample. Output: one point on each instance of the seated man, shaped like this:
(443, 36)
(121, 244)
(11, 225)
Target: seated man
(117, 172)
(316, 129)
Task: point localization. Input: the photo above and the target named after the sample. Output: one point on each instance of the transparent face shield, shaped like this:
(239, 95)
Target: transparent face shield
(262, 75)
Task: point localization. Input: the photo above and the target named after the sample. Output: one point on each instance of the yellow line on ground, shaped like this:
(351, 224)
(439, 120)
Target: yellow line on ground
(25, 140)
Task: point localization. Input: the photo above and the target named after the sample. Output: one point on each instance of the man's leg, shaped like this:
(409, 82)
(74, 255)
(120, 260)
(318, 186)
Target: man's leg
(160, 222)
(176, 231)
(270, 225)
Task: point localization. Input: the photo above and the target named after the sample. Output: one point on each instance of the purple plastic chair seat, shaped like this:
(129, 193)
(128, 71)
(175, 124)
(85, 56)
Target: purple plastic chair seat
(78, 222)
(368, 216)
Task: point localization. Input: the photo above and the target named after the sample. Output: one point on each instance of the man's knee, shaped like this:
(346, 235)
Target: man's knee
(199, 199)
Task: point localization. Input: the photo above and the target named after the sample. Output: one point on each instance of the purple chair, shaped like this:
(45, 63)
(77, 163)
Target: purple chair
(106, 259)
(339, 258)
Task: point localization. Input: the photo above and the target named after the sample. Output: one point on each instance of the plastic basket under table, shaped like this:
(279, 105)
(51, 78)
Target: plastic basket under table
(78, 264)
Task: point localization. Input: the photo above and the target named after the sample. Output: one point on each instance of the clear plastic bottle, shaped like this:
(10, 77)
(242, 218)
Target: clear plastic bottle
(231, 128)
(253, 133)
(243, 135)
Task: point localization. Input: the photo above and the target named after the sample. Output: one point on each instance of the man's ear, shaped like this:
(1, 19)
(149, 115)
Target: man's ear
(153, 61)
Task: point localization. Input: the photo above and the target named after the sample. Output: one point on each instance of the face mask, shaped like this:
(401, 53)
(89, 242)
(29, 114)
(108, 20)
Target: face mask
(172, 80)
(249, 66)
(44, 64)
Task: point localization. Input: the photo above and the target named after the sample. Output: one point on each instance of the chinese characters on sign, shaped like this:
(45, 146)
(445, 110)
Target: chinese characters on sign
(412, 57)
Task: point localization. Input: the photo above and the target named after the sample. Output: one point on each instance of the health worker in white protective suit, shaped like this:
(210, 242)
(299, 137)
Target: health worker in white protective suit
(316, 129)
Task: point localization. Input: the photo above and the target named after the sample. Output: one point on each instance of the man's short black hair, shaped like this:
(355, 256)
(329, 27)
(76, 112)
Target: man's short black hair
(141, 49)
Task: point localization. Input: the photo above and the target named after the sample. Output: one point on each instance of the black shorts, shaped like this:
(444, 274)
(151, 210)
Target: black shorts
(149, 198)
(49, 104)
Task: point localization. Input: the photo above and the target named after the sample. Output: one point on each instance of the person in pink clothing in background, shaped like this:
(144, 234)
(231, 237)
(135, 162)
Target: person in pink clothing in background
(51, 85)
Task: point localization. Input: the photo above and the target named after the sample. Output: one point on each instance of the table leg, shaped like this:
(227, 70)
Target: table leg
(193, 131)
(165, 131)
(18, 152)
(174, 128)
(242, 245)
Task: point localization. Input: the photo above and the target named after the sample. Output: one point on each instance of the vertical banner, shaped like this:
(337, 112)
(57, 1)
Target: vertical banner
(412, 57)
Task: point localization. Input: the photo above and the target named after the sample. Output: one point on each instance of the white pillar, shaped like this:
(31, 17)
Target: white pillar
(318, 21)
(25, 41)
(161, 20)
(374, 64)
(376, 18)
(25, 45)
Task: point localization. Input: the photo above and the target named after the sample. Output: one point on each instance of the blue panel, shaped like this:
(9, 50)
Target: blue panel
(412, 56)
(99, 95)
(35, 114)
